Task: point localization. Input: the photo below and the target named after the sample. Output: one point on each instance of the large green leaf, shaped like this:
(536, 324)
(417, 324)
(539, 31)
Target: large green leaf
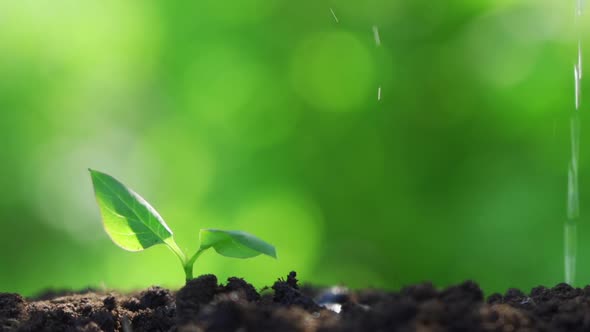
(235, 244)
(131, 222)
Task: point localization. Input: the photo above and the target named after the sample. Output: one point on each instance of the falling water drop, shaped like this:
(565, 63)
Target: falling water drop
(376, 35)
(378, 43)
(334, 15)
(573, 199)
(577, 82)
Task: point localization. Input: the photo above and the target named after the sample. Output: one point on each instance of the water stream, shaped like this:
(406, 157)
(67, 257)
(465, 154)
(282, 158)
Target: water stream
(573, 198)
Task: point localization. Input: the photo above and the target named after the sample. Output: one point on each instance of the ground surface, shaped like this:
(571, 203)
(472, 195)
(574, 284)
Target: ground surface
(206, 305)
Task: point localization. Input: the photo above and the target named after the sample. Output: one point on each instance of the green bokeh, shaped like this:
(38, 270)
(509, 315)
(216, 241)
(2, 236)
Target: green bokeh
(263, 116)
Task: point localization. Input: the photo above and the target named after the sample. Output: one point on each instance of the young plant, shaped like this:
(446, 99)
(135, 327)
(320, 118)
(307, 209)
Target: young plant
(134, 225)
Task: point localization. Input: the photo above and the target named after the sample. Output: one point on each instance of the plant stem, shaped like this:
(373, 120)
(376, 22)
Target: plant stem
(180, 254)
(188, 265)
(176, 250)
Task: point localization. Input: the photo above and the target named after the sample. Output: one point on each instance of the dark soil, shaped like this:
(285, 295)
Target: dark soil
(206, 305)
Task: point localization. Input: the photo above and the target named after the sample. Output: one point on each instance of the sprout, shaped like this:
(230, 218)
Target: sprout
(134, 225)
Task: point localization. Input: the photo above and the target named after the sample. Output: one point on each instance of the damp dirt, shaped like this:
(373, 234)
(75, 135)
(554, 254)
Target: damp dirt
(206, 304)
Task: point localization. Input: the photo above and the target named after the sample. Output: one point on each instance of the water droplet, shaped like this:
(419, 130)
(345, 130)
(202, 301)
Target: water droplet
(376, 35)
(575, 139)
(334, 14)
(573, 199)
(577, 86)
(336, 307)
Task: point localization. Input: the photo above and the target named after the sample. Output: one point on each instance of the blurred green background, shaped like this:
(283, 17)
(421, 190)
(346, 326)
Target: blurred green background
(262, 115)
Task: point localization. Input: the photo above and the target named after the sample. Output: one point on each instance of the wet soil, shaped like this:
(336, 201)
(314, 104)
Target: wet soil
(205, 304)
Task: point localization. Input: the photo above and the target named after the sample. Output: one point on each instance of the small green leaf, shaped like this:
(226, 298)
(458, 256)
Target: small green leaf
(131, 222)
(235, 244)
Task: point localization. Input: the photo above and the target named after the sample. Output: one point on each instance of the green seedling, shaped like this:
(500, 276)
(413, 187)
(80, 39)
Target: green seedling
(134, 225)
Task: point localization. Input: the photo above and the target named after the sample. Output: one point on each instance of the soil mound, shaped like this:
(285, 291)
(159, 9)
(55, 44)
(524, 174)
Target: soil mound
(204, 304)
